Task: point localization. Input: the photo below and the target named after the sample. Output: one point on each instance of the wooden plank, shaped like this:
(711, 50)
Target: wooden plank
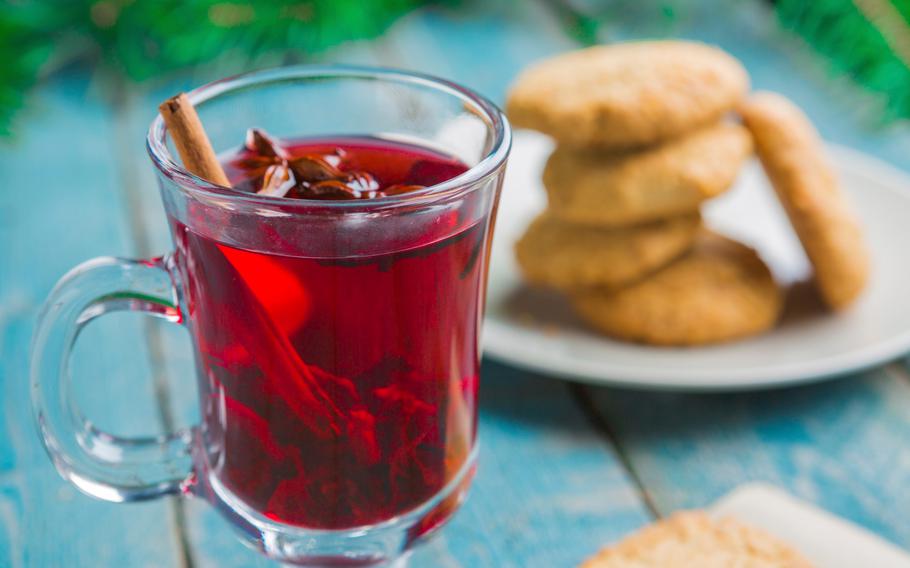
(60, 205)
(47, 522)
(842, 445)
(549, 492)
(482, 47)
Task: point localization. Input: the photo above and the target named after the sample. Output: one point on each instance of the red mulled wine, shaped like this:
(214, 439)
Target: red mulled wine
(338, 391)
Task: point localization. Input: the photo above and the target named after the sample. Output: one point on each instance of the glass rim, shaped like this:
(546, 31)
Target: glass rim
(495, 120)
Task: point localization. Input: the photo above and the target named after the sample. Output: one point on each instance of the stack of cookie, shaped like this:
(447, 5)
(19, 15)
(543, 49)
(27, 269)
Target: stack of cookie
(645, 134)
(643, 140)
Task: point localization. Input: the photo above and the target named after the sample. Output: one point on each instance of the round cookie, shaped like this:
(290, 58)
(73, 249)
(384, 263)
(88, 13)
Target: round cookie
(566, 256)
(627, 95)
(720, 291)
(653, 183)
(793, 157)
(698, 539)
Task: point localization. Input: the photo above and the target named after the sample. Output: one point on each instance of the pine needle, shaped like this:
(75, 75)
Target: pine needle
(856, 45)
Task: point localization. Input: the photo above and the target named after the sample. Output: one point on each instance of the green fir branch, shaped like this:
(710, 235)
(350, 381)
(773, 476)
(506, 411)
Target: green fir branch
(854, 46)
(145, 39)
(23, 51)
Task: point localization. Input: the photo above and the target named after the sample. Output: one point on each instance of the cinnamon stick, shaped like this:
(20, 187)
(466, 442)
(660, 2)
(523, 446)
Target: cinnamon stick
(191, 141)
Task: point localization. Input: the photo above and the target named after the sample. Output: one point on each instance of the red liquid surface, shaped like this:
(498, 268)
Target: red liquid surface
(339, 392)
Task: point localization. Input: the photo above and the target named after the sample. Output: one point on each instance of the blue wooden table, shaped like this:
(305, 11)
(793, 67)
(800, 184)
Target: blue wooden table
(564, 468)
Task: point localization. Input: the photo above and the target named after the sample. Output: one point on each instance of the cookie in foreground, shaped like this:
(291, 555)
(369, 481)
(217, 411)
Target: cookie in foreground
(719, 291)
(792, 155)
(637, 186)
(694, 539)
(627, 95)
(565, 256)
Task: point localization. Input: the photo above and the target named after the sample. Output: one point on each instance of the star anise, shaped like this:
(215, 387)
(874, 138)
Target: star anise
(309, 176)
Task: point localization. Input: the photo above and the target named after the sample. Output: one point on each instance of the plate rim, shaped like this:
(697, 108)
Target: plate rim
(639, 377)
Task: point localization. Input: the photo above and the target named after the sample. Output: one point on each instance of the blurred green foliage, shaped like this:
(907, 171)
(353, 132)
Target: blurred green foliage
(138, 40)
(22, 53)
(143, 39)
(871, 46)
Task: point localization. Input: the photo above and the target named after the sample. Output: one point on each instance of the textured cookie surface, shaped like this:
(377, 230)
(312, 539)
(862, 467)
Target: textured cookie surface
(695, 540)
(721, 290)
(793, 157)
(627, 95)
(566, 256)
(653, 183)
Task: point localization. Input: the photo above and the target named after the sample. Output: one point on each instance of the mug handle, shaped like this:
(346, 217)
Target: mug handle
(98, 463)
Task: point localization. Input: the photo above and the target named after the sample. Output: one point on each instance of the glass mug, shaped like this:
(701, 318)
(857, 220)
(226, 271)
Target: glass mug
(336, 342)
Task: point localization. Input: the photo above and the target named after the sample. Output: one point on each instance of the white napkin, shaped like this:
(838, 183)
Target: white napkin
(826, 540)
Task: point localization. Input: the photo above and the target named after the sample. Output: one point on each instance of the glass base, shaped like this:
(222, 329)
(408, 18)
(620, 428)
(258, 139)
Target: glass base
(384, 544)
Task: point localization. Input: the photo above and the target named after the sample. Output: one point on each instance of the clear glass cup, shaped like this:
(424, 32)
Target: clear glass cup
(336, 342)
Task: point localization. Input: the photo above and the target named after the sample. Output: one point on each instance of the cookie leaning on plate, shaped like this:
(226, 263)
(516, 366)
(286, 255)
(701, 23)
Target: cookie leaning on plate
(720, 290)
(567, 256)
(793, 157)
(695, 540)
(627, 95)
(653, 183)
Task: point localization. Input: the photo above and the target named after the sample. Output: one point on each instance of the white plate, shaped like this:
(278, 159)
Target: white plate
(824, 539)
(537, 331)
